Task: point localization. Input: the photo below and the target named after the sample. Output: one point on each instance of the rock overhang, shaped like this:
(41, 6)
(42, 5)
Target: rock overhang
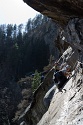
(59, 10)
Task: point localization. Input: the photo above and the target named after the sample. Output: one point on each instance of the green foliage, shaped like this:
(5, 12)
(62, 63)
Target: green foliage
(36, 80)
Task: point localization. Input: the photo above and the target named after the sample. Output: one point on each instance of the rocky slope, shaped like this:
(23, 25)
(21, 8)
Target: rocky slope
(66, 108)
(60, 108)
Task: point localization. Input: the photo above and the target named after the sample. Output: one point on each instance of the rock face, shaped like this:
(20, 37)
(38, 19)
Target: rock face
(35, 111)
(66, 108)
(74, 33)
(59, 10)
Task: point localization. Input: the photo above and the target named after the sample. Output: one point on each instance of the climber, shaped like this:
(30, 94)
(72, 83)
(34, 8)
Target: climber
(61, 77)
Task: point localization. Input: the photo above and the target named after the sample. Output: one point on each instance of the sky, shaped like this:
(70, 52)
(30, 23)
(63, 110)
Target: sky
(15, 12)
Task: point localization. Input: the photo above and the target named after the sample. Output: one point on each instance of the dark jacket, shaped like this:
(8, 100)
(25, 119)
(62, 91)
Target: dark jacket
(60, 78)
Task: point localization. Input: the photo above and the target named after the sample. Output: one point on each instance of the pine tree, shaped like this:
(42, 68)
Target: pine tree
(36, 80)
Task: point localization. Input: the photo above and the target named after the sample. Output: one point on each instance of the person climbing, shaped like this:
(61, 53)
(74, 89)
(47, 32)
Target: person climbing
(61, 76)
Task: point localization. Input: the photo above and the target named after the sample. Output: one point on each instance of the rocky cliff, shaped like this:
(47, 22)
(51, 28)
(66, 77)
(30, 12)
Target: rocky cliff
(61, 101)
(66, 107)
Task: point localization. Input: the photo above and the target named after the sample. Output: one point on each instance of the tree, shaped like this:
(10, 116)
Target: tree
(36, 80)
(19, 35)
(28, 26)
(9, 31)
(14, 33)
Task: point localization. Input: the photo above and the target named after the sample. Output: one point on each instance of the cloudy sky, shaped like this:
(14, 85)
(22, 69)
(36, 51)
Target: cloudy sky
(15, 12)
